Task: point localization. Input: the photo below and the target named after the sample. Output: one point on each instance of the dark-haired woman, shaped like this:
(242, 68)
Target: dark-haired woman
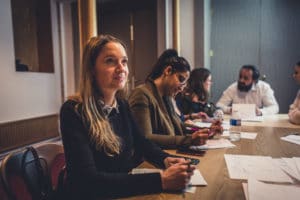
(152, 108)
(194, 100)
(101, 140)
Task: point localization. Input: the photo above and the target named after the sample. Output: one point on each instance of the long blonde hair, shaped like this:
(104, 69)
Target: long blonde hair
(100, 130)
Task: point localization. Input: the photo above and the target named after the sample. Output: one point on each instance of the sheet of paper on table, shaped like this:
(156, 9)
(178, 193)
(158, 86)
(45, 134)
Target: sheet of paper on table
(196, 180)
(290, 165)
(266, 191)
(244, 135)
(225, 124)
(214, 144)
(292, 138)
(260, 167)
(247, 112)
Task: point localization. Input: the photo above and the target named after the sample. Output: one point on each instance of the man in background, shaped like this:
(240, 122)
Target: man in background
(249, 90)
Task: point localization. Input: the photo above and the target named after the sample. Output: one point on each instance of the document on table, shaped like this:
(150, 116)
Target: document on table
(245, 189)
(244, 110)
(265, 191)
(292, 138)
(244, 135)
(196, 180)
(290, 165)
(225, 124)
(214, 144)
(260, 167)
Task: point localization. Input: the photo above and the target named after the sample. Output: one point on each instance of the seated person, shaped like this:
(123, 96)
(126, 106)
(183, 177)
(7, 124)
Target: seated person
(193, 101)
(102, 141)
(294, 112)
(249, 90)
(152, 107)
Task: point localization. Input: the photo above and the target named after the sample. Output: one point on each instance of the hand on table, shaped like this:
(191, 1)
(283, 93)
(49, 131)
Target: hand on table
(177, 176)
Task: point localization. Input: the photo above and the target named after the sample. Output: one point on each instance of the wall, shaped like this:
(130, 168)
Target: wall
(25, 94)
(260, 32)
(187, 43)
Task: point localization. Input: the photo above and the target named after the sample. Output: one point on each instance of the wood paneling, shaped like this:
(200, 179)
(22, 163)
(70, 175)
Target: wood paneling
(23, 132)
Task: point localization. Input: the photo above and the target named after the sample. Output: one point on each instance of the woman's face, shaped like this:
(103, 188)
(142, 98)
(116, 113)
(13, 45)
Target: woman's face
(207, 84)
(111, 68)
(296, 74)
(176, 82)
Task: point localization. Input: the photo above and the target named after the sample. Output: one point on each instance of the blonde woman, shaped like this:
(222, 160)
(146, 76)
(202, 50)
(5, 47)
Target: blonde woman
(101, 140)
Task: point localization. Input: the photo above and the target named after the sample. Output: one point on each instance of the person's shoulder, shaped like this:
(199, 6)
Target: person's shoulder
(263, 85)
(232, 86)
(69, 105)
(141, 90)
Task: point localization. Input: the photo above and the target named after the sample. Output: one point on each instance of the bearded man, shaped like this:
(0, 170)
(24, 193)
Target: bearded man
(249, 90)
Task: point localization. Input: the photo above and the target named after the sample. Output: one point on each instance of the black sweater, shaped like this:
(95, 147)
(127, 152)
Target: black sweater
(91, 173)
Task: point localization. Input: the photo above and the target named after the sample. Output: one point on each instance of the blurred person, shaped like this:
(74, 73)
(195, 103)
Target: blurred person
(193, 102)
(294, 111)
(249, 90)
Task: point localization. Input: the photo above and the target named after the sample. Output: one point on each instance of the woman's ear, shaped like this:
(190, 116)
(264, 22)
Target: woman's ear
(168, 70)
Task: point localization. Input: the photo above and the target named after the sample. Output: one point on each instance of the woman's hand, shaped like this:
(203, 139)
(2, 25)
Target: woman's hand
(203, 116)
(169, 161)
(177, 176)
(216, 128)
(199, 137)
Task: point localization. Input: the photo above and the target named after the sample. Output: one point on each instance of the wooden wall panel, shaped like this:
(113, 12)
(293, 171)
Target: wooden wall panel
(24, 132)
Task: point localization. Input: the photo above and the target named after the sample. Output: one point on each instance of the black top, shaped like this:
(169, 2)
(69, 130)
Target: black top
(187, 106)
(91, 173)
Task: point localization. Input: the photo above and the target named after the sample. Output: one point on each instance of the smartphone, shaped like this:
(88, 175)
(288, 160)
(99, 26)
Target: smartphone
(194, 161)
(187, 150)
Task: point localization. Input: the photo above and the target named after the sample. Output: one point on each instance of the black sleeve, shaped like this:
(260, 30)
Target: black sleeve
(81, 167)
(152, 152)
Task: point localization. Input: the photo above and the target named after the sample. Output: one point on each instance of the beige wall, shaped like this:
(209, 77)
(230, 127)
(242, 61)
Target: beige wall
(25, 94)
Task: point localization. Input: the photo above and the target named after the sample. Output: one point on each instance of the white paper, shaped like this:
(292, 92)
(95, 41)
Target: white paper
(225, 124)
(262, 191)
(190, 189)
(289, 166)
(254, 119)
(244, 135)
(197, 179)
(202, 124)
(260, 167)
(245, 111)
(245, 189)
(214, 144)
(297, 162)
(292, 138)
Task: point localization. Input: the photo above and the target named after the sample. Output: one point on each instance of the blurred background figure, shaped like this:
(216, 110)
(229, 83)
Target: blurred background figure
(249, 90)
(193, 102)
(294, 112)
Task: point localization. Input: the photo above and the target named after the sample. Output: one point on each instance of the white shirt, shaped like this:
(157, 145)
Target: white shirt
(261, 94)
(294, 112)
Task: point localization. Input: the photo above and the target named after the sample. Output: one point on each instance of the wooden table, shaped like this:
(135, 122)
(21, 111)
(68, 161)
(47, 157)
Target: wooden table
(213, 167)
